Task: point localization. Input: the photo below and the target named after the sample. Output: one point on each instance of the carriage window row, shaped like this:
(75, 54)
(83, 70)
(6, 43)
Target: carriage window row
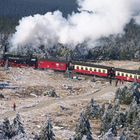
(104, 71)
(91, 69)
(123, 74)
(127, 75)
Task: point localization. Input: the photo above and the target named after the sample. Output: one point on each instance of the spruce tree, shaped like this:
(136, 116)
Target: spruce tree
(7, 129)
(47, 132)
(107, 118)
(83, 129)
(18, 126)
(94, 109)
(89, 136)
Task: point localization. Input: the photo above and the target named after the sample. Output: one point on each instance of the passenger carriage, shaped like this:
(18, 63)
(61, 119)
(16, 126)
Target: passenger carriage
(52, 64)
(128, 75)
(103, 71)
(91, 69)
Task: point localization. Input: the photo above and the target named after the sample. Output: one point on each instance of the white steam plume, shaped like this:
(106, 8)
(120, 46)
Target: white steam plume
(137, 19)
(95, 19)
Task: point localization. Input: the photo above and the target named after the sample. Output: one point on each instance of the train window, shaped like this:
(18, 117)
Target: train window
(82, 68)
(33, 59)
(57, 64)
(99, 70)
(135, 77)
(103, 71)
(90, 69)
(138, 77)
(130, 76)
(86, 68)
(95, 70)
(61, 65)
(122, 74)
(118, 74)
(126, 75)
(77, 67)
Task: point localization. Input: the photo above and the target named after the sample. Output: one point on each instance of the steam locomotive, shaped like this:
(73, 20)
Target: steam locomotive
(77, 67)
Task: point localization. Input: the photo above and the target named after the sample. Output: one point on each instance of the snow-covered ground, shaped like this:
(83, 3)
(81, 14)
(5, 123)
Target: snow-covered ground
(34, 107)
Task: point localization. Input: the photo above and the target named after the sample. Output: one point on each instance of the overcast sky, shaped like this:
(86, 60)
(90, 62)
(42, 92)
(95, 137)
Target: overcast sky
(30, 7)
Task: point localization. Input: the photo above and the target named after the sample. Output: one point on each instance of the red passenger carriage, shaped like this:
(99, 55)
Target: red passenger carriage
(52, 64)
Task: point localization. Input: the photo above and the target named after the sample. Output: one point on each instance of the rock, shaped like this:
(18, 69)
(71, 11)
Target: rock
(34, 95)
(52, 93)
(67, 87)
(1, 96)
(63, 108)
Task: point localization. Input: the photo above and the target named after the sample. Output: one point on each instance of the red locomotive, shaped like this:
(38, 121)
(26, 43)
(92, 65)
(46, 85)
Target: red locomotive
(78, 67)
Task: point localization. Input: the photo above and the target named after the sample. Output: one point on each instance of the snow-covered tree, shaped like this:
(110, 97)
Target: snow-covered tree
(93, 109)
(47, 132)
(17, 125)
(108, 135)
(7, 129)
(83, 129)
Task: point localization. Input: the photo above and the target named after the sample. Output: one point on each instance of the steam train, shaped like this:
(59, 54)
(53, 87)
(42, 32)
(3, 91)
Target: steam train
(77, 67)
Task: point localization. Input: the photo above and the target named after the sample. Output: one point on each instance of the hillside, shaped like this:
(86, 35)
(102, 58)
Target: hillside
(33, 90)
(122, 47)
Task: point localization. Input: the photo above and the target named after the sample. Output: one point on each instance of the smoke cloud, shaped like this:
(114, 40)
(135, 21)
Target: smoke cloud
(95, 19)
(137, 19)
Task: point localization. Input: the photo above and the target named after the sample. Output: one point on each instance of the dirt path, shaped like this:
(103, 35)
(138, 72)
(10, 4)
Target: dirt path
(99, 94)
